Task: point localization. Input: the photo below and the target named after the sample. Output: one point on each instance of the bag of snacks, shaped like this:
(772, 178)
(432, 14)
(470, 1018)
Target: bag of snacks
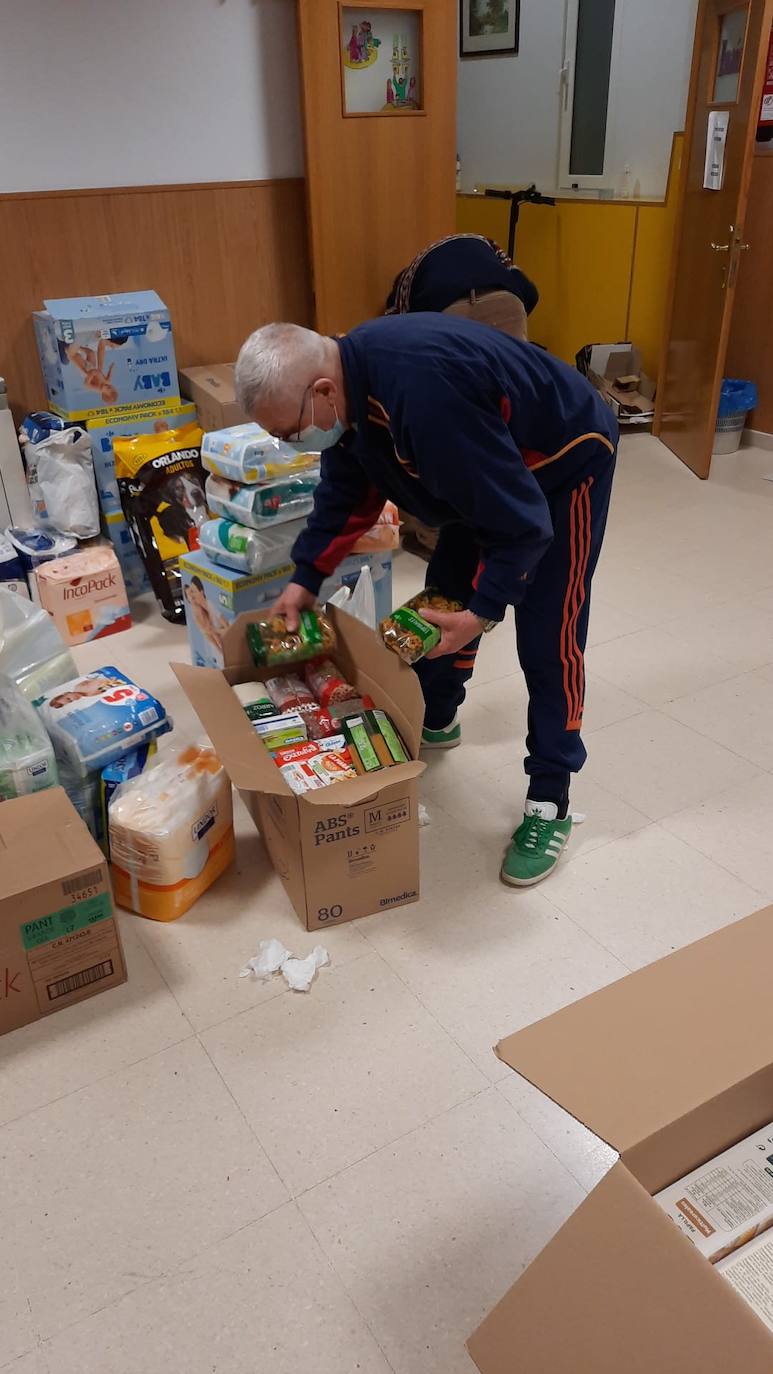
(405, 631)
(290, 693)
(272, 644)
(327, 684)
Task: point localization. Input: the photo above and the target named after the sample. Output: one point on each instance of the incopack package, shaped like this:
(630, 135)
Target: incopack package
(670, 1066)
(59, 941)
(726, 1201)
(342, 851)
(161, 483)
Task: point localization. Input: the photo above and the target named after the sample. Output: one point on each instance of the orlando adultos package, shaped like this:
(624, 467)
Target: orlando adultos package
(161, 483)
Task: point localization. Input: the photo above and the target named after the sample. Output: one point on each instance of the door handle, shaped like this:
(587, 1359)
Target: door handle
(721, 247)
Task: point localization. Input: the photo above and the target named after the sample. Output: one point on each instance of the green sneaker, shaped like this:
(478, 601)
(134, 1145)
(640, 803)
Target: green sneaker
(536, 846)
(448, 738)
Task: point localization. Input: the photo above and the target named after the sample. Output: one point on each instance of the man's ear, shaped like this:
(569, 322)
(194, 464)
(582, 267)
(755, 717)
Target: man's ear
(324, 386)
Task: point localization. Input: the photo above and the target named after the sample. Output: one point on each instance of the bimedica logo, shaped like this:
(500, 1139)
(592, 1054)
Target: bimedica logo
(153, 381)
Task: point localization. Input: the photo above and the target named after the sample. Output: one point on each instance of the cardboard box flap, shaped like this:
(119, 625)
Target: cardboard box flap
(364, 788)
(68, 847)
(246, 761)
(620, 1291)
(645, 1052)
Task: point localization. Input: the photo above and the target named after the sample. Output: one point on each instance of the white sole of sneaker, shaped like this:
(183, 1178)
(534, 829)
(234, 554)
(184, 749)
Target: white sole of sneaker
(440, 744)
(532, 882)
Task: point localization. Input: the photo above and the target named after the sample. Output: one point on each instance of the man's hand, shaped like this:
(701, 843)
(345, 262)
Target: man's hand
(458, 627)
(293, 600)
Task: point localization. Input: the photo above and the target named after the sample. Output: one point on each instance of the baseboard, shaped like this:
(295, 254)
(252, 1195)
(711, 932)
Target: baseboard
(757, 438)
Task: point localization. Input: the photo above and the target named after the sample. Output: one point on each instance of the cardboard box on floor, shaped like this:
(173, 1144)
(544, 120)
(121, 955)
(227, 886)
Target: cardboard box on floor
(212, 391)
(603, 365)
(59, 940)
(670, 1066)
(346, 850)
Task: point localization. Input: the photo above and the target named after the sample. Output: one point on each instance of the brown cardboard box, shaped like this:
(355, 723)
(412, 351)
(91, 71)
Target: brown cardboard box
(671, 1066)
(59, 941)
(342, 851)
(212, 390)
(603, 365)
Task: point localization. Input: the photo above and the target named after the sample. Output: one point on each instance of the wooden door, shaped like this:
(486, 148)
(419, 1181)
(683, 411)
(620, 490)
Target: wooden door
(709, 236)
(380, 185)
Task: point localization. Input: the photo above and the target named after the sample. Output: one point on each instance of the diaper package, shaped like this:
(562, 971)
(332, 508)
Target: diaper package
(96, 718)
(27, 761)
(12, 575)
(161, 484)
(113, 775)
(246, 550)
(289, 498)
(247, 453)
(171, 833)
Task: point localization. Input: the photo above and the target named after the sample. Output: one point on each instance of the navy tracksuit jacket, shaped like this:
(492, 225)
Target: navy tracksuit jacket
(511, 453)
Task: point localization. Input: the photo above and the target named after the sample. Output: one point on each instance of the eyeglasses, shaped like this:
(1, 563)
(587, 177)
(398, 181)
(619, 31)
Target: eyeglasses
(295, 435)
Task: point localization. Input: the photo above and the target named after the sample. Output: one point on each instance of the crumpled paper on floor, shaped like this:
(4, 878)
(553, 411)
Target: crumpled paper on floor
(272, 957)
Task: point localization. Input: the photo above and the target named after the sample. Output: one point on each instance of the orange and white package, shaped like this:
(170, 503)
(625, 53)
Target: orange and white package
(385, 534)
(318, 763)
(171, 833)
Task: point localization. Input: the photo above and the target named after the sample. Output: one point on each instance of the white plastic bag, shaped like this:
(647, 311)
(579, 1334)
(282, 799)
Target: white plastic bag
(32, 651)
(65, 476)
(361, 601)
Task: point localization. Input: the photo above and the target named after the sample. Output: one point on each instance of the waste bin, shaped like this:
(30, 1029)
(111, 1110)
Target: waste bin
(736, 399)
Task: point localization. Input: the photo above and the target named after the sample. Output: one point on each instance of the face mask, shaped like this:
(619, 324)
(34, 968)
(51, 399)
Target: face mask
(313, 438)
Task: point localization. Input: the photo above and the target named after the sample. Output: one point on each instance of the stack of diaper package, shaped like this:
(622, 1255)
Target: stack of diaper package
(260, 493)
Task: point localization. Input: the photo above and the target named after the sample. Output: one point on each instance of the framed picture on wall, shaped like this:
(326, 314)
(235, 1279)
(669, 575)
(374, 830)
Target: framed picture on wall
(488, 28)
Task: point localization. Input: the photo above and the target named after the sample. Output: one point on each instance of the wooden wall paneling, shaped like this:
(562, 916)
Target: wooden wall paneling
(380, 187)
(750, 351)
(224, 257)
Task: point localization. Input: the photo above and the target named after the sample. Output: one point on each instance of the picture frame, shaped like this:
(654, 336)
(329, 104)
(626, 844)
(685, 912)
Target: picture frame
(489, 28)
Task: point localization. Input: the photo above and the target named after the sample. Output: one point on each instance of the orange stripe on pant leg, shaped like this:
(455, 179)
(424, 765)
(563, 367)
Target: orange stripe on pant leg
(571, 636)
(568, 598)
(575, 720)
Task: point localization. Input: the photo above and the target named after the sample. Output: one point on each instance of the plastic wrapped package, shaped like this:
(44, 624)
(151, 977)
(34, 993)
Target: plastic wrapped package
(35, 546)
(247, 550)
(248, 453)
(83, 791)
(327, 685)
(113, 775)
(98, 717)
(405, 631)
(290, 693)
(161, 483)
(272, 644)
(290, 498)
(255, 700)
(32, 651)
(27, 761)
(171, 833)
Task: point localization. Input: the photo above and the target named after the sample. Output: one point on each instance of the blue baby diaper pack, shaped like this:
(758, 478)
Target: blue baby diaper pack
(98, 717)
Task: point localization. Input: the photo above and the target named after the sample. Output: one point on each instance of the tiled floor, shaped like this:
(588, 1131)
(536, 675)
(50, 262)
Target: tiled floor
(203, 1173)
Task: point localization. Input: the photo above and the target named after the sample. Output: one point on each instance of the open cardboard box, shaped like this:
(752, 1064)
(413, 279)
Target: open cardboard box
(670, 1066)
(603, 364)
(341, 851)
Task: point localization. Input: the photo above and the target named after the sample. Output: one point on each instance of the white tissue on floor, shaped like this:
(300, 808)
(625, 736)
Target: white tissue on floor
(269, 959)
(300, 972)
(424, 816)
(272, 957)
(578, 817)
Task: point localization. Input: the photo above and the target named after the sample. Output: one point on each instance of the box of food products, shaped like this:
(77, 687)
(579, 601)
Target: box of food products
(330, 777)
(726, 1201)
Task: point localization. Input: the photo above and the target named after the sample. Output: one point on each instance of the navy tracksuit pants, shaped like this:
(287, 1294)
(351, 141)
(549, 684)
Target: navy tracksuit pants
(551, 625)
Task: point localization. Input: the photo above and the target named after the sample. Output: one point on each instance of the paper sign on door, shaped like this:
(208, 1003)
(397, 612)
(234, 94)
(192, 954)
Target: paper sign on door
(716, 137)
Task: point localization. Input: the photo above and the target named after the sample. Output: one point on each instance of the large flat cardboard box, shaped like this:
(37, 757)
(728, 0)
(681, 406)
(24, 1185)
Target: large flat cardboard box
(670, 1066)
(59, 940)
(342, 851)
(212, 391)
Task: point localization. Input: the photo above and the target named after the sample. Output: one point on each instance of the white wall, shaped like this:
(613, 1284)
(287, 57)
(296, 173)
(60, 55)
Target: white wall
(509, 106)
(140, 92)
